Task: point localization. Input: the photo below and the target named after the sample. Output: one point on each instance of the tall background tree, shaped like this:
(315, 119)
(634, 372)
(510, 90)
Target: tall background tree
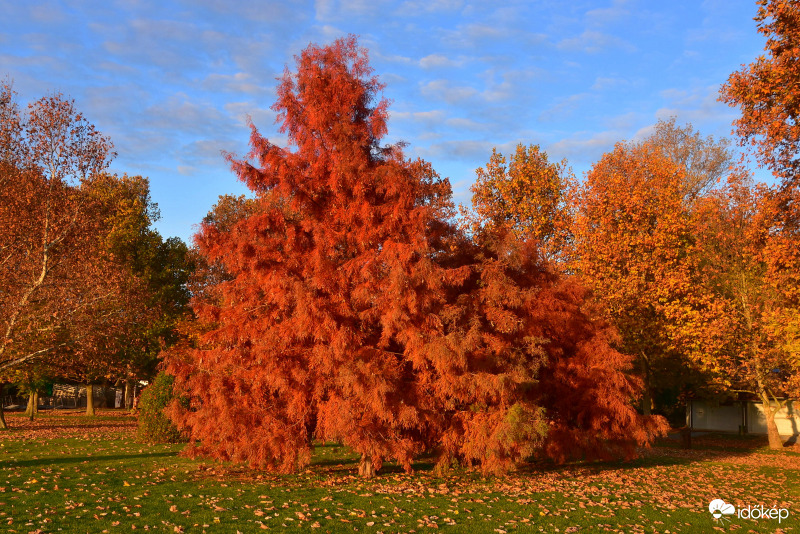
(735, 228)
(46, 283)
(627, 231)
(632, 230)
(88, 288)
(766, 91)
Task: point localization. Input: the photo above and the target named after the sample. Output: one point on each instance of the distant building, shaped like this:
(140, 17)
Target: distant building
(740, 416)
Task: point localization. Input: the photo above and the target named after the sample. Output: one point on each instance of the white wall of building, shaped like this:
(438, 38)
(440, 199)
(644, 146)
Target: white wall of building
(705, 415)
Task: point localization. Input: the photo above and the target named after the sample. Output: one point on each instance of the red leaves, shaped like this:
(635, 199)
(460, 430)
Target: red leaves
(342, 304)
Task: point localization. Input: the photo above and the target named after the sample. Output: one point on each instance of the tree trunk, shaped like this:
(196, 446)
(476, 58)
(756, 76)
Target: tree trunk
(774, 437)
(128, 394)
(775, 441)
(3, 425)
(647, 399)
(29, 411)
(89, 400)
(103, 397)
(36, 402)
(365, 467)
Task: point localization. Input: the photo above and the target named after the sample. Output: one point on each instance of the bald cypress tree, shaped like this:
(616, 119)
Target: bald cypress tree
(342, 302)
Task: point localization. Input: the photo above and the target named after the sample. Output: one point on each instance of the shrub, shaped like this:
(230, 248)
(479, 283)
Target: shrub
(154, 426)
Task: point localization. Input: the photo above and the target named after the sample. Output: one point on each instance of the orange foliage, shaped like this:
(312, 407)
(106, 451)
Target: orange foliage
(767, 89)
(635, 248)
(529, 194)
(58, 287)
(341, 303)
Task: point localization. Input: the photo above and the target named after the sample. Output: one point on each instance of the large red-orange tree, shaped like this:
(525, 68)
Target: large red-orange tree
(329, 290)
(342, 303)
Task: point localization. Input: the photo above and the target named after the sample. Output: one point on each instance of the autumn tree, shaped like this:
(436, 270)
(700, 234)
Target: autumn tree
(344, 303)
(47, 283)
(704, 161)
(323, 319)
(533, 370)
(134, 324)
(766, 91)
(632, 231)
(158, 270)
(89, 287)
(635, 247)
(529, 194)
(735, 228)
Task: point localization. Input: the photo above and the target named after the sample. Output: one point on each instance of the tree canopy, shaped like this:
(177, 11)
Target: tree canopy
(345, 304)
(766, 91)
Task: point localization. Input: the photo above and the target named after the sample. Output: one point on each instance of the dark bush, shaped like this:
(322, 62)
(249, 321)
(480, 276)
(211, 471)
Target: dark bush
(154, 426)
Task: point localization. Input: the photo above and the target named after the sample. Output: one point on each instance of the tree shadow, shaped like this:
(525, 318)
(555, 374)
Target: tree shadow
(331, 462)
(80, 426)
(53, 461)
(664, 453)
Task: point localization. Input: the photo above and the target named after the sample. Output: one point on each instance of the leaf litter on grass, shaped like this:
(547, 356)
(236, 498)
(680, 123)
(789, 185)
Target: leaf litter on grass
(102, 480)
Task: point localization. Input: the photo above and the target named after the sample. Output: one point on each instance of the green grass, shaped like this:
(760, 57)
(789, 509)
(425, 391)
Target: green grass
(68, 473)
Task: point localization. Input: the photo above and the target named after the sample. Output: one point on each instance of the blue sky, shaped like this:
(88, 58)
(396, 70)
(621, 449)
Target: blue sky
(172, 82)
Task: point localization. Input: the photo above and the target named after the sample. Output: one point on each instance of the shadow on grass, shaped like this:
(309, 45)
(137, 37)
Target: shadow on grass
(332, 462)
(83, 426)
(666, 453)
(53, 461)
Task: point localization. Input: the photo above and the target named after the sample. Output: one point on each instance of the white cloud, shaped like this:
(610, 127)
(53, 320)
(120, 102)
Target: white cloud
(413, 7)
(607, 15)
(602, 83)
(438, 61)
(695, 105)
(593, 42)
(240, 82)
(465, 124)
(260, 116)
(585, 146)
(563, 107)
(466, 150)
(444, 90)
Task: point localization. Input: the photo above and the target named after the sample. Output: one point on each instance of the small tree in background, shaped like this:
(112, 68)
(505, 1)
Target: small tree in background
(528, 194)
(153, 425)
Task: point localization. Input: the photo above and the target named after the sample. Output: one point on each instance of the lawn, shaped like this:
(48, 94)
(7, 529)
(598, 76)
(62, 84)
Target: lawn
(69, 473)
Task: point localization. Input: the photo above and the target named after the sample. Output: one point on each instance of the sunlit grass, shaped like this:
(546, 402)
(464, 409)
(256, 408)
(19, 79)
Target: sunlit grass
(100, 480)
